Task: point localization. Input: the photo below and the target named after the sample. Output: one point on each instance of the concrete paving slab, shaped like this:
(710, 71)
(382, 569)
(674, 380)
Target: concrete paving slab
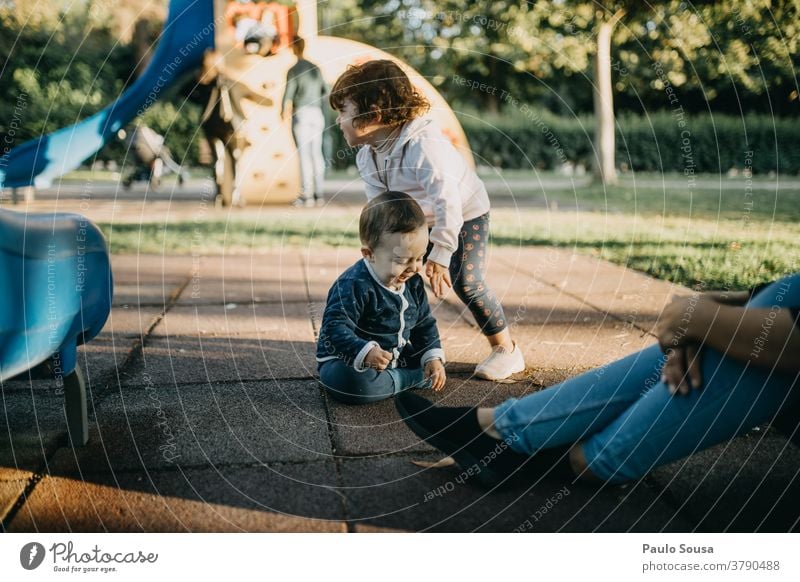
(751, 484)
(274, 498)
(323, 267)
(208, 291)
(130, 321)
(139, 294)
(151, 268)
(171, 360)
(160, 426)
(536, 309)
(273, 277)
(585, 276)
(585, 345)
(267, 266)
(278, 322)
(642, 309)
(393, 493)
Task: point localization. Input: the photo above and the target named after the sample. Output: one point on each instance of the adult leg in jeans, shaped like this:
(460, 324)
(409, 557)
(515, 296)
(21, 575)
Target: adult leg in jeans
(303, 133)
(735, 396)
(631, 421)
(578, 407)
(350, 386)
(317, 158)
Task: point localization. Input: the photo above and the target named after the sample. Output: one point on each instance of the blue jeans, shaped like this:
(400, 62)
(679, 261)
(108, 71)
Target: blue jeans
(346, 384)
(629, 423)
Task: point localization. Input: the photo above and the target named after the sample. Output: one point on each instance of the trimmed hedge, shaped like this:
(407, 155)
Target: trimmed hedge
(662, 142)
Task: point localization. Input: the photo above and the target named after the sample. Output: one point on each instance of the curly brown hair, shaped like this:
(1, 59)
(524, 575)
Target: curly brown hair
(380, 91)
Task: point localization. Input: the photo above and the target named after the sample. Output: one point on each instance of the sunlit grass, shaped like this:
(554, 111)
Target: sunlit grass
(691, 237)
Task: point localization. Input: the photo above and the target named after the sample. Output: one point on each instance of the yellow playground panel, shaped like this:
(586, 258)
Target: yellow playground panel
(268, 171)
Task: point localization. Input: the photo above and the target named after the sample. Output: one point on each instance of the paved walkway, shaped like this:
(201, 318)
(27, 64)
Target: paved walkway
(206, 416)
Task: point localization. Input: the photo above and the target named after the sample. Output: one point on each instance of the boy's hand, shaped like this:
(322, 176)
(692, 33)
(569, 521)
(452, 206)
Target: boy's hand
(439, 276)
(378, 359)
(434, 370)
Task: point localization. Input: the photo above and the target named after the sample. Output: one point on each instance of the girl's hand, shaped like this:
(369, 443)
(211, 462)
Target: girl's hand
(378, 359)
(434, 370)
(439, 276)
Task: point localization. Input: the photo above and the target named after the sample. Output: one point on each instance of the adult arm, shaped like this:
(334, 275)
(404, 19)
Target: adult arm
(289, 93)
(766, 337)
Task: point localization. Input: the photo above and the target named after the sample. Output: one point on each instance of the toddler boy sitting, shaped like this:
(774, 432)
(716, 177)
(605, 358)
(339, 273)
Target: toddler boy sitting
(378, 336)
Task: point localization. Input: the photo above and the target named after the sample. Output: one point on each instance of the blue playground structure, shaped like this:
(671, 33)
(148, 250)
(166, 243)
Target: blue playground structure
(56, 285)
(188, 32)
(55, 270)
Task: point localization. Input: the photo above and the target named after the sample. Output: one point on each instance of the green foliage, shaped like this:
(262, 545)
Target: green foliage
(63, 71)
(716, 143)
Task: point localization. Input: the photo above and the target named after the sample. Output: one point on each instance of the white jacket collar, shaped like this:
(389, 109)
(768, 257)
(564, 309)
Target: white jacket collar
(372, 272)
(411, 129)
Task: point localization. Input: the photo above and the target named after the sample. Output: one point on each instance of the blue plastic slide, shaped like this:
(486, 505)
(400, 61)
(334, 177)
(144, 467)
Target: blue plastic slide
(188, 32)
(56, 285)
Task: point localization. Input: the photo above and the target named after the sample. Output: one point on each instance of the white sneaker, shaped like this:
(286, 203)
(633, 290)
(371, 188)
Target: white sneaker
(501, 364)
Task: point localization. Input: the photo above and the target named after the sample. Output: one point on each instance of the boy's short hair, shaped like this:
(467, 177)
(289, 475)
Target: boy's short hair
(388, 213)
(378, 88)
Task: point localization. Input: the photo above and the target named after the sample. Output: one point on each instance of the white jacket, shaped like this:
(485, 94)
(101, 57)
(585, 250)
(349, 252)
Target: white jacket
(426, 166)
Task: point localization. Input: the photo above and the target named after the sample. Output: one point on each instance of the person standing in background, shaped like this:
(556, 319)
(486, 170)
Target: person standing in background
(305, 92)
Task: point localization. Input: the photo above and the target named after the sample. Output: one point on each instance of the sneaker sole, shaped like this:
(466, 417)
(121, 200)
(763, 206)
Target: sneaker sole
(484, 376)
(485, 476)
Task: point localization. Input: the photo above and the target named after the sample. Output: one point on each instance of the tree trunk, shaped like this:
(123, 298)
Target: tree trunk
(604, 167)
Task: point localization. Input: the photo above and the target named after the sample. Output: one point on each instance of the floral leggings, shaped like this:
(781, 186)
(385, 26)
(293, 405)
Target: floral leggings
(467, 271)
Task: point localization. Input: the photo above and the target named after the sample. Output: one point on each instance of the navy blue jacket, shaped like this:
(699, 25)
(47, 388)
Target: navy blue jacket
(361, 313)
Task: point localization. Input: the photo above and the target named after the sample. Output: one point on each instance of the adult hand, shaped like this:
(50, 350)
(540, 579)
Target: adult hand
(439, 276)
(678, 321)
(378, 358)
(681, 372)
(434, 369)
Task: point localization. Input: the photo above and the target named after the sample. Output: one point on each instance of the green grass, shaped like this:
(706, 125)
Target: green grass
(695, 237)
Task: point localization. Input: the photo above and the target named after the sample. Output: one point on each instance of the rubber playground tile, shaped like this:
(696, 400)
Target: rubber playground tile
(394, 493)
(266, 498)
(750, 484)
(376, 429)
(209, 425)
(32, 426)
(175, 360)
(10, 494)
